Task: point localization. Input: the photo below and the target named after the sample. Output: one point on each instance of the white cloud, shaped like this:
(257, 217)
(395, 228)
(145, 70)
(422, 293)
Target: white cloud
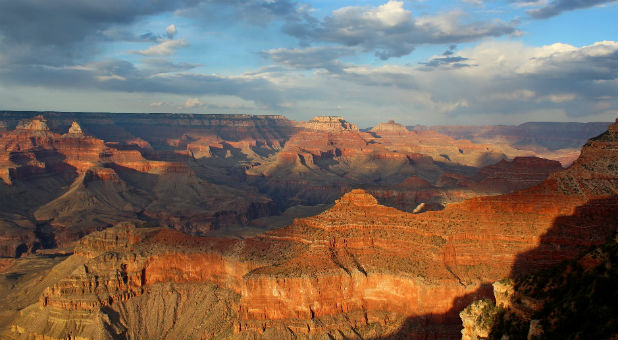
(505, 78)
(474, 2)
(390, 14)
(192, 103)
(110, 77)
(560, 98)
(390, 30)
(167, 47)
(171, 31)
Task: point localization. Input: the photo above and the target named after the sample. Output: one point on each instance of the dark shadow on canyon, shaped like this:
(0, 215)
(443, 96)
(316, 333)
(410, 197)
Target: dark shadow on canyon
(590, 225)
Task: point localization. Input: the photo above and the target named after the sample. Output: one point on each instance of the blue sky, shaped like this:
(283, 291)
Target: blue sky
(418, 62)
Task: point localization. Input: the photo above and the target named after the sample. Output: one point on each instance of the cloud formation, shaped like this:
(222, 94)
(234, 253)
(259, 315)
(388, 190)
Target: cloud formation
(299, 60)
(325, 57)
(508, 79)
(556, 7)
(164, 48)
(171, 31)
(390, 30)
(447, 59)
(61, 31)
(123, 76)
(193, 103)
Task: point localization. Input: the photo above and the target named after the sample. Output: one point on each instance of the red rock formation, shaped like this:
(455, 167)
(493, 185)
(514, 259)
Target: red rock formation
(373, 265)
(557, 141)
(389, 127)
(358, 268)
(107, 183)
(329, 123)
(520, 173)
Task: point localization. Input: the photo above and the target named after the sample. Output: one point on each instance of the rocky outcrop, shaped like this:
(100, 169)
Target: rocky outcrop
(37, 126)
(389, 128)
(520, 173)
(71, 184)
(75, 129)
(329, 123)
(571, 300)
(477, 320)
(359, 269)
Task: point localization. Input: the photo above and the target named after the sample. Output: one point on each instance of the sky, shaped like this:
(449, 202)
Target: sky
(417, 62)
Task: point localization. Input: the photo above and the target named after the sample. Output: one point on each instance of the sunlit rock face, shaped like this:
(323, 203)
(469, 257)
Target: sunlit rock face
(329, 123)
(357, 268)
(389, 127)
(65, 185)
(72, 173)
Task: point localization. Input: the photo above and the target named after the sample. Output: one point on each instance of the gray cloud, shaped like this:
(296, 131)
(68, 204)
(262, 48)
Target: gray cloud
(556, 7)
(254, 12)
(453, 62)
(157, 65)
(310, 58)
(446, 61)
(120, 75)
(391, 31)
(508, 78)
(61, 31)
(163, 48)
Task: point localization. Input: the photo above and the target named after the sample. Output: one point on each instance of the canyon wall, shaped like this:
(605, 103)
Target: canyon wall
(359, 269)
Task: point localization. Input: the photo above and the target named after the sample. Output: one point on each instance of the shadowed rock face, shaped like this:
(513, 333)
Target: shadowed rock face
(63, 175)
(572, 300)
(59, 187)
(359, 269)
(520, 173)
(389, 127)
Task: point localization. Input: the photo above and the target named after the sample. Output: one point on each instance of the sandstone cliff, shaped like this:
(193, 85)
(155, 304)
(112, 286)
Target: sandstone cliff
(358, 270)
(59, 187)
(115, 167)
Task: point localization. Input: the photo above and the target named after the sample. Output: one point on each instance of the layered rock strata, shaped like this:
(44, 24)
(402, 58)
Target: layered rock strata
(59, 187)
(359, 269)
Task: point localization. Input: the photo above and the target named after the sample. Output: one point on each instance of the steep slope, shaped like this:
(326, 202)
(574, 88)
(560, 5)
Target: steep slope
(59, 187)
(357, 270)
(330, 155)
(443, 148)
(520, 173)
(573, 300)
(201, 172)
(500, 178)
(327, 157)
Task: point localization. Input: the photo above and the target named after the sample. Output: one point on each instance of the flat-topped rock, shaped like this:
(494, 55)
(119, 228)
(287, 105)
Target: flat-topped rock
(389, 127)
(37, 123)
(330, 123)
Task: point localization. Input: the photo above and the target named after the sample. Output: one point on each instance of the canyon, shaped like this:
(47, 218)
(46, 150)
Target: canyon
(415, 225)
(63, 175)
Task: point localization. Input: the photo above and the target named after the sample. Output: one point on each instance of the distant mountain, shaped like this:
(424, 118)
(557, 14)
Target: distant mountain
(550, 135)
